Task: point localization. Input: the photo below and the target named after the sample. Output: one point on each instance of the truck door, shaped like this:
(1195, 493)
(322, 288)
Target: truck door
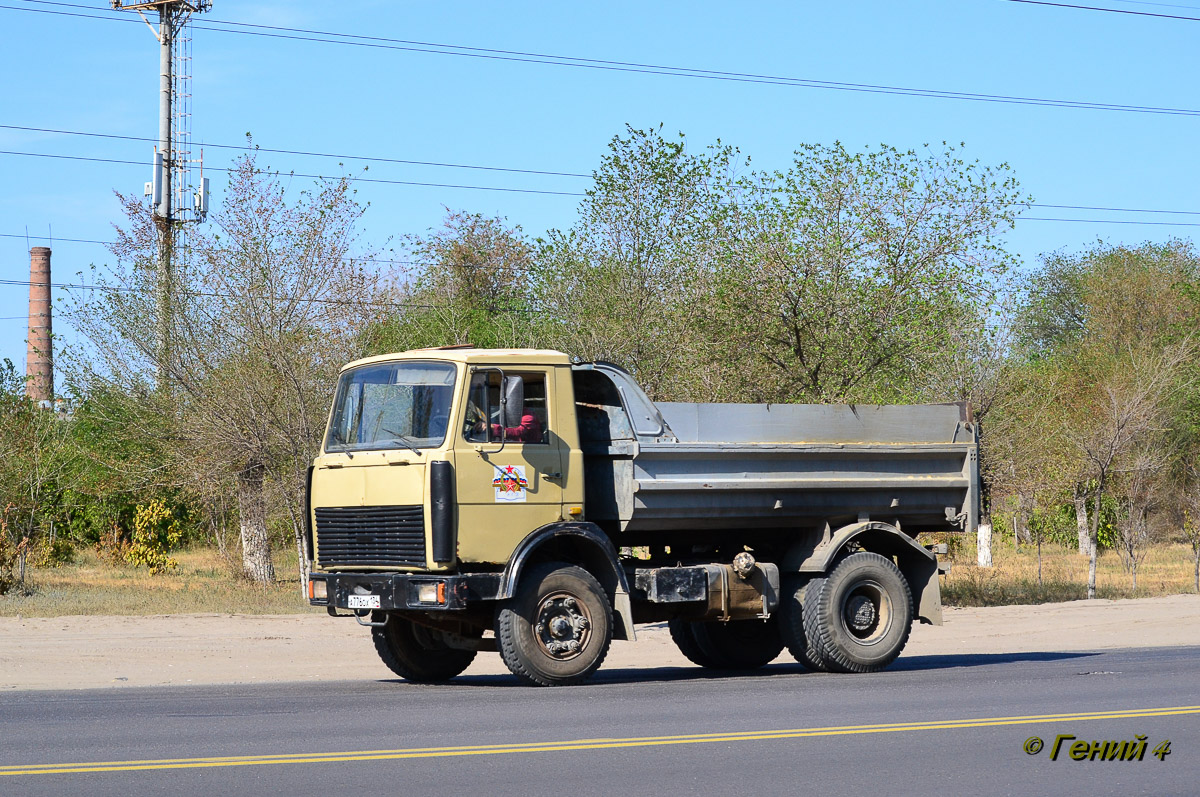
(509, 470)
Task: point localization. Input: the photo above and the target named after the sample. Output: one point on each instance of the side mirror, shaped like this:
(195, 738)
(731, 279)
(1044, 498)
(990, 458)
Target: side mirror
(514, 400)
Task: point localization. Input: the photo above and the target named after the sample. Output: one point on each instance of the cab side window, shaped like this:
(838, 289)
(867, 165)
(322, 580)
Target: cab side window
(527, 423)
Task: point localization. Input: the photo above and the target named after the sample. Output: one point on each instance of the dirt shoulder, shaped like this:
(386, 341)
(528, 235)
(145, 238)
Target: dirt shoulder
(90, 652)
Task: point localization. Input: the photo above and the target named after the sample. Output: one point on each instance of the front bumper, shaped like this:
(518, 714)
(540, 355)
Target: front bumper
(401, 591)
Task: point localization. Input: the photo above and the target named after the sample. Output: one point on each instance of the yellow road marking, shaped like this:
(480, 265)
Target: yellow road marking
(580, 744)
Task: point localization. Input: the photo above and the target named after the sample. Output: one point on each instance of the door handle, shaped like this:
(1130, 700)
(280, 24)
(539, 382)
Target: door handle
(552, 476)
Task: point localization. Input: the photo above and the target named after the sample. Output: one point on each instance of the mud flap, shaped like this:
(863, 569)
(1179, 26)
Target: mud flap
(623, 609)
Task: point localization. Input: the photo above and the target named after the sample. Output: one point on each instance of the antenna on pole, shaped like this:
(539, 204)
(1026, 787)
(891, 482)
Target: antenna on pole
(171, 187)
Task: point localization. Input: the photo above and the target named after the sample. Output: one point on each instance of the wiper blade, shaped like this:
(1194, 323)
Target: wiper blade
(403, 440)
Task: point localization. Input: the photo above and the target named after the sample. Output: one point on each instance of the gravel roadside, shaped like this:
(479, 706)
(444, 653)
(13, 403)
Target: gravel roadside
(90, 652)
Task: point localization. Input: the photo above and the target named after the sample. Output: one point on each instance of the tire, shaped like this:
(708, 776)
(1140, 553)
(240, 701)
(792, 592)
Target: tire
(557, 629)
(417, 653)
(861, 615)
(736, 645)
(684, 639)
(803, 647)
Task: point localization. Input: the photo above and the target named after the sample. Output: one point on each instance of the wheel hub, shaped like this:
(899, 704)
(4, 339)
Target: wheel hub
(861, 613)
(563, 626)
(867, 612)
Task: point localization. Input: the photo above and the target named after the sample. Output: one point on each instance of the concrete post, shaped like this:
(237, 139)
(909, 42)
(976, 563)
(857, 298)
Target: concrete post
(984, 539)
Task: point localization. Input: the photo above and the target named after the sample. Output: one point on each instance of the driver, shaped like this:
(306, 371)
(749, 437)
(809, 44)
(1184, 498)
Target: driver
(530, 430)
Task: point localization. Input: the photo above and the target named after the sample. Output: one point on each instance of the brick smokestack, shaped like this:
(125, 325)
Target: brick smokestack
(39, 361)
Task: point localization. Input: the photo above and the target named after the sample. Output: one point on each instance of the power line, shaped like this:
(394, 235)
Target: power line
(369, 158)
(211, 294)
(489, 168)
(1160, 5)
(1109, 10)
(110, 243)
(55, 238)
(1115, 221)
(540, 191)
(1116, 210)
(314, 176)
(378, 42)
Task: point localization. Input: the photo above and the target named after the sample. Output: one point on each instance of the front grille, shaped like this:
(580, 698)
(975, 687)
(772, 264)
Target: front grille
(379, 536)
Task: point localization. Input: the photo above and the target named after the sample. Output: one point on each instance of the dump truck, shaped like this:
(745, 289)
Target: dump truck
(521, 501)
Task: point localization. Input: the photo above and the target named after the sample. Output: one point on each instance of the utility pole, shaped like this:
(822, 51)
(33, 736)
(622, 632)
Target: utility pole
(172, 159)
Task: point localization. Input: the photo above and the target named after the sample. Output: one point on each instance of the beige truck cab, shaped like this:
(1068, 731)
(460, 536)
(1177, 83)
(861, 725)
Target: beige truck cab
(395, 417)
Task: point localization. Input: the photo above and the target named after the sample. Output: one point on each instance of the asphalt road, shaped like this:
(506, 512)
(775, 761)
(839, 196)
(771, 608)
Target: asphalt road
(930, 725)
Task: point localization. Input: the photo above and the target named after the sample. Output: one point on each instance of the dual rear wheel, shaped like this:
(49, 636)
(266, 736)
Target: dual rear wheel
(737, 645)
(855, 619)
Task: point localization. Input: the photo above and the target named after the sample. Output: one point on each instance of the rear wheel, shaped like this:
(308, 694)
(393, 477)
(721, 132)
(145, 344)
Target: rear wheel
(861, 615)
(417, 653)
(557, 629)
(685, 639)
(736, 645)
(803, 647)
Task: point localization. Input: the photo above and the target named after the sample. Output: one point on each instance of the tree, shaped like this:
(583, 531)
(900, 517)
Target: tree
(1099, 297)
(1034, 468)
(1189, 507)
(628, 281)
(1142, 492)
(859, 276)
(34, 459)
(472, 286)
(1128, 408)
(265, 310)
(1085, 314)
(1191, 530)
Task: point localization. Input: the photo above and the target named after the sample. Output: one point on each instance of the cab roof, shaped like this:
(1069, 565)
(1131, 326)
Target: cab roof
(471, 356)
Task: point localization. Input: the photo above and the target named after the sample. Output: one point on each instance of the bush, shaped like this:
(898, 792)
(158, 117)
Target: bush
(88, 517)
(113, 546)
(1057, 524)
(156, 532)
(53, 553)
(11, 555)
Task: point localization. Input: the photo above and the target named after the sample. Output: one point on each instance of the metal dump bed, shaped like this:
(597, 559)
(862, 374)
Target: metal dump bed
(675, 466)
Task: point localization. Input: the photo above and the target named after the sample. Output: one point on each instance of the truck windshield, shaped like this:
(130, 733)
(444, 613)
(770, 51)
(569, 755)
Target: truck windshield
(391, 405)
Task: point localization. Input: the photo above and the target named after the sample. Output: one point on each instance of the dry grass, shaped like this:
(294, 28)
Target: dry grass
(203, 583)
(1167, 570)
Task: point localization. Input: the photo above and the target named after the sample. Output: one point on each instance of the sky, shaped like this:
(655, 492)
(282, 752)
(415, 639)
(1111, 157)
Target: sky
(434, 87)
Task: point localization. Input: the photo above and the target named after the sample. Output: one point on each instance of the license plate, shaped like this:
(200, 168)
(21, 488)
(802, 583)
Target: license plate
(363, 601)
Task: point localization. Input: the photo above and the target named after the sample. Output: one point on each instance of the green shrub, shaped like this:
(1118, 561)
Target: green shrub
(53, 553)
(156, 532)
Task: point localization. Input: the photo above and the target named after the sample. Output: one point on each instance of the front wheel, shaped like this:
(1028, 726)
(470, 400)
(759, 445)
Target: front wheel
(862, 614)
(417, 653)
(557, 629)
